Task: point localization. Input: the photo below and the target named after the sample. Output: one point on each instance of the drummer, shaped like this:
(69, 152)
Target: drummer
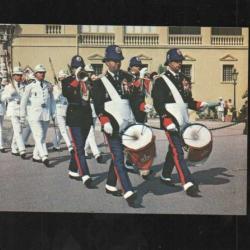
(165, 93)
(116, 81)
(139, 88)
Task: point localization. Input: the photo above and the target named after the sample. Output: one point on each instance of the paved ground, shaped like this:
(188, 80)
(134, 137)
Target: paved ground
(28, 186)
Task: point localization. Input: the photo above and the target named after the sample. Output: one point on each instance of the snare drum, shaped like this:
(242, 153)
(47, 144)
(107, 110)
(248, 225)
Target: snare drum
(199, 142)
(139, 143)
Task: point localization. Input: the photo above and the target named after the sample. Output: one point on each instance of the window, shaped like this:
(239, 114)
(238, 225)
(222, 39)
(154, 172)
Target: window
(96, 28)
(226, 31)
(187, 70)
(140, 29)
(97, 68)
(227, 73)
(184, 30)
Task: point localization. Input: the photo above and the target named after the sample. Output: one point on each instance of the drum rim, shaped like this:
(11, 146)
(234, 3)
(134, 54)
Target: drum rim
(134, 124)
(196, 123)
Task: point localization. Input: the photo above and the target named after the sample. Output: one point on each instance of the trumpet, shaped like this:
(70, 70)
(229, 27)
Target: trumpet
(81, 74)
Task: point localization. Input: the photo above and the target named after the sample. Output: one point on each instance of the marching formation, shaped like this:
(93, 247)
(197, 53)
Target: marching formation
(118, 99)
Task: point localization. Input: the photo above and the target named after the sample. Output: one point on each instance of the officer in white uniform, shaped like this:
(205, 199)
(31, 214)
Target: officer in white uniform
(38, 104)
(13, 94)
(2, 113)
(60, 114)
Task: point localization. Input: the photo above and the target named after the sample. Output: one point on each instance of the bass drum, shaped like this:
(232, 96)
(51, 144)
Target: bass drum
(198, 142)
(139, 143)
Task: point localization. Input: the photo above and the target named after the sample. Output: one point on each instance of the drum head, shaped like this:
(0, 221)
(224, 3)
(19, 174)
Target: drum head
(137, 136)
(197, 136)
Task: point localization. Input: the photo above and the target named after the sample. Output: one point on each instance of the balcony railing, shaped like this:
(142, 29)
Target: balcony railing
(226, 40)
(53, 29)
(141, 39)
(96, 39)
(185, 39)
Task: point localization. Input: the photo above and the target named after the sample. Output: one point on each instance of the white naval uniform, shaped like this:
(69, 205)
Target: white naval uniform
(2, 113)
(14, 96)
(60, 112)
(38, 103)
(91, 142)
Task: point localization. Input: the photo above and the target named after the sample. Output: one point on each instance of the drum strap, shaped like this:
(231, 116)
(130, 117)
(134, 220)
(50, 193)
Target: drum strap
(177, 96)
(114, 96)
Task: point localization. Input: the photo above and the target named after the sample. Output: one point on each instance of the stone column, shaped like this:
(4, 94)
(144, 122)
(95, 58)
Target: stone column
(119, 35)
(206, 35)
(163, 32)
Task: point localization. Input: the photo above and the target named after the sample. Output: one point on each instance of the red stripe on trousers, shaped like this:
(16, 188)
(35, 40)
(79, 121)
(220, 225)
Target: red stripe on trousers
(115, 168)
(176, 160)
(75, 154)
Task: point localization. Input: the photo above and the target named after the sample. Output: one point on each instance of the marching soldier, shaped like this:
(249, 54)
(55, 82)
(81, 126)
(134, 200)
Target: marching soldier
(139, 89)
(38, 103)
(78, 119)
(112, 100)
(61, 107)
(13, 94)
(169, 89)
(2, 113)
(91, 142)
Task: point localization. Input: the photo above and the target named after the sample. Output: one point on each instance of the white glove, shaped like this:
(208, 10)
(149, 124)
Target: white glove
(203, 105)
(143, 71)
(148, 108)
(108, 128)
(171, 127)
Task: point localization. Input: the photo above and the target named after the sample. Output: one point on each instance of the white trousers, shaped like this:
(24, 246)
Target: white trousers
(62, 132)
(1, 131)
(26, 133)
(39, 132)
(17, 144)
(91, 142)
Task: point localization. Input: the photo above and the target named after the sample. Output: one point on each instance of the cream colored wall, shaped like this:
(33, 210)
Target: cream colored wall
(34, 46)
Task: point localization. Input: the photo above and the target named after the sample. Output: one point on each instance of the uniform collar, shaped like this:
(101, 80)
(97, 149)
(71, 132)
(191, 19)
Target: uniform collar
(172, 72)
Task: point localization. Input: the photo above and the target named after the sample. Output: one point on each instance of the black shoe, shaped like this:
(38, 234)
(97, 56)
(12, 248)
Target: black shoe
(28, 146)
(89, 184)
(167, 182)
(77, 178)
(2, 150)
(46, 163)
(100, 159)
(193, 191)
(56, 149)
(131, 200)
(16, 154)
(87, 157)
(114, 193)
(36, 160)
(23, 156)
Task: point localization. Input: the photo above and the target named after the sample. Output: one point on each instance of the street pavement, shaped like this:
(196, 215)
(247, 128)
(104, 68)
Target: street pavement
(222, 179)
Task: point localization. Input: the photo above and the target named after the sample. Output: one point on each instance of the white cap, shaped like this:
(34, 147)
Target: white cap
(89, 68)
(40, 68)
(62, 73)
(17, 71)
(220, 98)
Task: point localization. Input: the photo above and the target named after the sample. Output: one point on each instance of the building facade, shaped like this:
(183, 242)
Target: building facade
(211, 53)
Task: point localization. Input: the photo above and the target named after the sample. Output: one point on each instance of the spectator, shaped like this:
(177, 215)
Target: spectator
(230, 110)
(220, 109)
